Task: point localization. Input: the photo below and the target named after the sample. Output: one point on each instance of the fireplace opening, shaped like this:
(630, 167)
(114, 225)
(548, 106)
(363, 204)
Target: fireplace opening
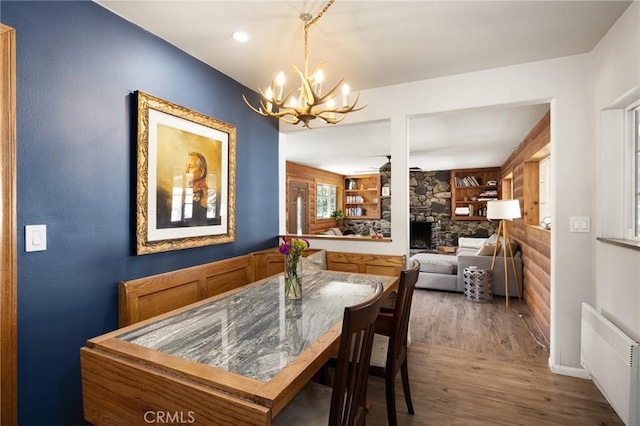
(420, 235)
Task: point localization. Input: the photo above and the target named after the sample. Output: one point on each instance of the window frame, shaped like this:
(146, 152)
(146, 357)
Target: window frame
(531, 190)
(632, 172)
(331, 207)
(544, 189)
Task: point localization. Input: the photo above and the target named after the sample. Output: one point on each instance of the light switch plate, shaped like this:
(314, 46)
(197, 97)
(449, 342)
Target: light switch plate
(35, 238)
(579, 224)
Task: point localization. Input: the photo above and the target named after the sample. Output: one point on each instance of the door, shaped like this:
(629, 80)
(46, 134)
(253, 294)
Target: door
(298, 208)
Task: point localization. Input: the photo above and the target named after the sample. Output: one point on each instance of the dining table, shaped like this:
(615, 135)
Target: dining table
(236, 358)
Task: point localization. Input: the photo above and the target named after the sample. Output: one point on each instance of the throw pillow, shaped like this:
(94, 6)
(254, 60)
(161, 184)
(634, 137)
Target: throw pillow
(336, 231)
(487, 250)
(514, 248)
(475, 243)
(315, 261)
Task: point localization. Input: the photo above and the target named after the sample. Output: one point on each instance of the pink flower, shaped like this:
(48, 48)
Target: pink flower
(293, 246)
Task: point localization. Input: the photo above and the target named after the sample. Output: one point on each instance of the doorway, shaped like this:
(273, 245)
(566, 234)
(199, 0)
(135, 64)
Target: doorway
(8, 227)
(298, 208)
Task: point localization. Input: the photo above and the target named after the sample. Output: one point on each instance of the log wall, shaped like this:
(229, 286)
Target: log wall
(312, 177)
(534, 241)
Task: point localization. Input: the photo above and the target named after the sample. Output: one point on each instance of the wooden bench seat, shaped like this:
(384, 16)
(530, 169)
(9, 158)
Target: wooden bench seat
(146, 297)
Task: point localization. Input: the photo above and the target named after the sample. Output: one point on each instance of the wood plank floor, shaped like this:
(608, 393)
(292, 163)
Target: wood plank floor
(480, 364)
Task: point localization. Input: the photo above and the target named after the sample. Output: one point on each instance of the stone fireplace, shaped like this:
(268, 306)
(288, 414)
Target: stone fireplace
(430, 205)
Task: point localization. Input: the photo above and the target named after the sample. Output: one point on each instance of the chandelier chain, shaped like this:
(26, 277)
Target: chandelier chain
(308, 25)
(313, 102)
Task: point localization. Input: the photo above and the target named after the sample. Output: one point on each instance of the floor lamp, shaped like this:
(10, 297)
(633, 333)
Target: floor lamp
(505, 210)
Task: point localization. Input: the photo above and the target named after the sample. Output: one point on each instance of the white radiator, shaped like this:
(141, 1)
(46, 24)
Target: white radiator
(611, 358)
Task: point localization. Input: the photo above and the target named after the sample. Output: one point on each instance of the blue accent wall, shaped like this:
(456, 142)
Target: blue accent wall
(77, 67)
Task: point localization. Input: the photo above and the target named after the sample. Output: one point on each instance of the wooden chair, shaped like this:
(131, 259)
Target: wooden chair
(389, 352)
(344, 404)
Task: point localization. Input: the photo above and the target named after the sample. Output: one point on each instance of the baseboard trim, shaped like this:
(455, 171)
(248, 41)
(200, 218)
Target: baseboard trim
(580, 373)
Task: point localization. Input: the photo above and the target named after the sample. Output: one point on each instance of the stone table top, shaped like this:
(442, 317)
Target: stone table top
(256, 332)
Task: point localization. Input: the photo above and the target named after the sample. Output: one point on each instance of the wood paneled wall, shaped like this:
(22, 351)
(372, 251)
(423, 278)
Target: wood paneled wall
(147, 297)
(313, 176)
(534, 241)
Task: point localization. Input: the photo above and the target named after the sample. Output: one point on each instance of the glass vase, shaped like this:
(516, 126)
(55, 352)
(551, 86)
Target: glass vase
(292, 278)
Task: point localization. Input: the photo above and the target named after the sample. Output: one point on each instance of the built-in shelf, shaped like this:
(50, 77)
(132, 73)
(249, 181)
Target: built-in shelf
(470, 217)
(472, 183)
(365, 188)
(357, 204)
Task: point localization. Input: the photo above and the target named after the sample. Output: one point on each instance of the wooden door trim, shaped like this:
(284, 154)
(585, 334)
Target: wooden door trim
(8, 230)
(300, 185)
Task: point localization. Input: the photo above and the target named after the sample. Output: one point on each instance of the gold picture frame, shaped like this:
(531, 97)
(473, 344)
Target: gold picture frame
(186, 185)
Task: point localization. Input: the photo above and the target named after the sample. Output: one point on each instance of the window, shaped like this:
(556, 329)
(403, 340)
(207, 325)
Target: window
(325, 200)
(537, 189)
(620, 167)
(507, 187)
(544, 186)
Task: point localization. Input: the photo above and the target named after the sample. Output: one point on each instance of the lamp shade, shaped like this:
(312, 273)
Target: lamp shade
(503, 209)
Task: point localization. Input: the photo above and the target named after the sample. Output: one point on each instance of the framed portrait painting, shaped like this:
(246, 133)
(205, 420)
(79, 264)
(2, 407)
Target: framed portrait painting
(186, 178)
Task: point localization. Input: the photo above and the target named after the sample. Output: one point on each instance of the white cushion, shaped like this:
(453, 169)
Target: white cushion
(437, 281)
(380, 347)
(315, 261)
(466, 252)
(310, 406)
(436, 263)
(379, 350)
(438, 267)
(475, 243)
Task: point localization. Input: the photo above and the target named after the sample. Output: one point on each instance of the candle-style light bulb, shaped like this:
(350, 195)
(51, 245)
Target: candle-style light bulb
(279, 85)
(293, 102)
(345, 94)
(269, 95)
(330, 104)
(318, 79)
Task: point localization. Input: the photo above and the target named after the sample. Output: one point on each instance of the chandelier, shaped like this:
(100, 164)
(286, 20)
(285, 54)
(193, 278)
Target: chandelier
(311, 103)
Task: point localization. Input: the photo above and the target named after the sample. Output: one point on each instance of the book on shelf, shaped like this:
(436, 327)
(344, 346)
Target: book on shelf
(467, 181)
(462, 211)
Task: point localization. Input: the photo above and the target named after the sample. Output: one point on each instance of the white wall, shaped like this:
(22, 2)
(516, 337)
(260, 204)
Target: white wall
(615, 72)
(565, 83)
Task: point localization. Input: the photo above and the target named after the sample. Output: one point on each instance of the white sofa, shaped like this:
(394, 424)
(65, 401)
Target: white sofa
(437, 271)
(445, 272)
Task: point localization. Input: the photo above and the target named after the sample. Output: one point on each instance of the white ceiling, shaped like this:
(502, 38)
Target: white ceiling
(380, 43)
(461, 139)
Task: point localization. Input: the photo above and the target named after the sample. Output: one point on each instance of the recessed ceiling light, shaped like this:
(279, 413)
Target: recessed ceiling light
(240, 36)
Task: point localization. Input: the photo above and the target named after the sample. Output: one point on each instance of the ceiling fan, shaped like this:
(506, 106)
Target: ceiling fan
(372, 169)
